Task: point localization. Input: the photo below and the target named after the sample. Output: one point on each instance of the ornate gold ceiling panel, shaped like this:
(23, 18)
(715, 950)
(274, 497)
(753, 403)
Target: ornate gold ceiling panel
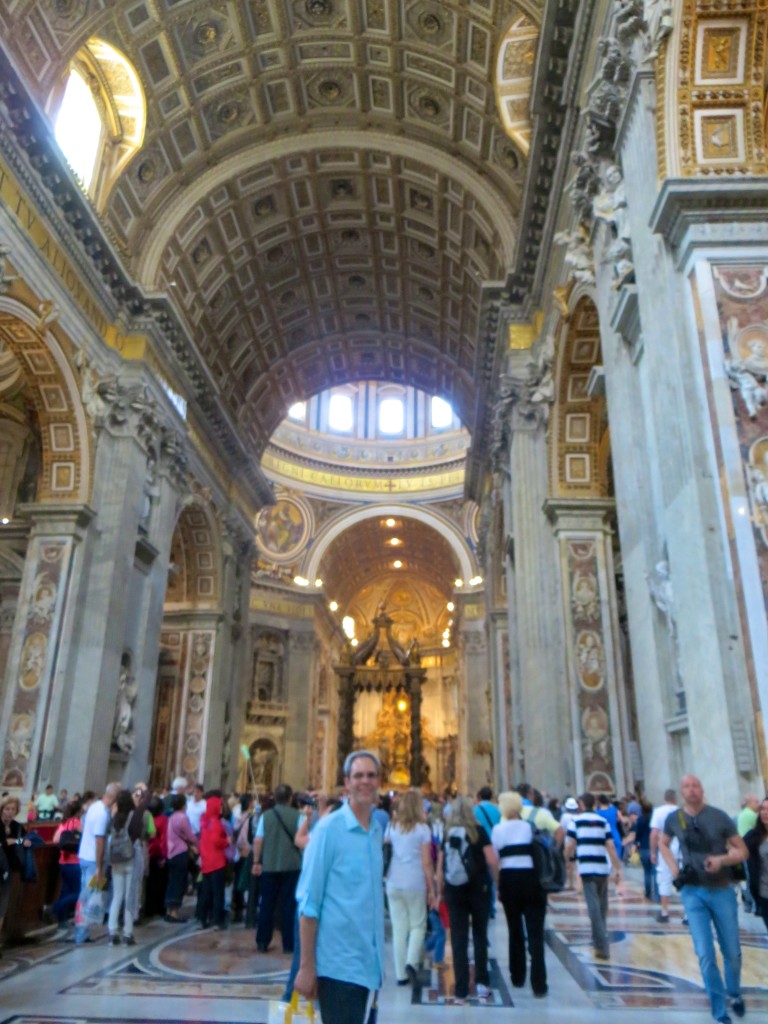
(323, 187)
(363, 557)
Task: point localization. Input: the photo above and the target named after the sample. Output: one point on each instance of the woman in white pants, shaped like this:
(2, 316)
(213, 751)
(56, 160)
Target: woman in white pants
(410, 883)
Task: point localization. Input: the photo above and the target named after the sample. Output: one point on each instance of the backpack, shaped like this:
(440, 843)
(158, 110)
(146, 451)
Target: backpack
(548, 861)
(461, 864)
(120, 844)
(69, 840)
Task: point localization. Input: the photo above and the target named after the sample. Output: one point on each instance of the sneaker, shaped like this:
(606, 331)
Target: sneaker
(114, 940)
(483, 992)
(662, 918)
(411, 975)
(685, 919)
(737, 1007)
(725, 1019)
(128, 940)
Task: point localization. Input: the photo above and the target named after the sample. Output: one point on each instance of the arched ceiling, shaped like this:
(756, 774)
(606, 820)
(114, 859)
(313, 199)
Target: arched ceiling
(323, 187)
(361, 560)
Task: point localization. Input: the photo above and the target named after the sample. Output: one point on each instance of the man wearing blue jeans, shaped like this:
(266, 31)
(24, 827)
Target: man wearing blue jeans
(709, 847)
(341, 902)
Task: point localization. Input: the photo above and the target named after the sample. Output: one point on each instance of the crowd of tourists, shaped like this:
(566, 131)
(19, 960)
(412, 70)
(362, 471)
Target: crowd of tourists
(311, 867)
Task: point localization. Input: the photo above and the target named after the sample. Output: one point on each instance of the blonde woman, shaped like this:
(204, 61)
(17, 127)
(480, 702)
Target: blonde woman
(410, 883)
(520, 894)
(465, 865)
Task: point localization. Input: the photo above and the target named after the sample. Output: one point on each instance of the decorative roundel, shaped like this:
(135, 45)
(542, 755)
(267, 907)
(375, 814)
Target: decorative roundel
(283, 529)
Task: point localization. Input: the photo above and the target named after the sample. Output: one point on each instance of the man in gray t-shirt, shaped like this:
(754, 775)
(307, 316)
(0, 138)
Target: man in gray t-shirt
(710, 847)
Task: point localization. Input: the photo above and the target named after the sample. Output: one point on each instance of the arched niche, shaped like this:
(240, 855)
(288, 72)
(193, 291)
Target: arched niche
(194, 575)
(515, 65)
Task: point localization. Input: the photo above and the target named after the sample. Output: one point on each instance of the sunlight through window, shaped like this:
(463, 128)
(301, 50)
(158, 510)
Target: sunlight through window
(442, 414)
(78, 128)
(298, 411)
(340, 412)
(391, 416)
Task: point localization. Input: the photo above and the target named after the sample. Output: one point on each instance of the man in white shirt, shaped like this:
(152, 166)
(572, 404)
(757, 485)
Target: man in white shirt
(663, 874)
(589, 837)
(196, 807)
(91, 850)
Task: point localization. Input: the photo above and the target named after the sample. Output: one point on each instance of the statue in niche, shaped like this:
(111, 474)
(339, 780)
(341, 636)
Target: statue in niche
(263, 764)
(149, 495)
(267, 683)
(753, 394)
(123, 733)
(660, 586)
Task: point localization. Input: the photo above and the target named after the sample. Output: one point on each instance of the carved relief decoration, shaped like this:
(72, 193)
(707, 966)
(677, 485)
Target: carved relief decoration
(200, 665)
(742, 298)
(578, 464)
(717, 72)
(589, 660)
(42, 604)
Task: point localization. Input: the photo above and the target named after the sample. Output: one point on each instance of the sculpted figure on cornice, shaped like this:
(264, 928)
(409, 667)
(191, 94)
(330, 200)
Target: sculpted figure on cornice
(744, 380)
(6, 279)
(660, 21)
(610, 206)
(578, 255)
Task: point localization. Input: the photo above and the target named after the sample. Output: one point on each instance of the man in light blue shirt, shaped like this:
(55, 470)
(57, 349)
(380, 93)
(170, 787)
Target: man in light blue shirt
(341, 901)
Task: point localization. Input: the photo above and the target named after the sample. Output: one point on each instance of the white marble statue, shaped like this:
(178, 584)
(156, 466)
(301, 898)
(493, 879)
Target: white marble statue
(752, 392)
(660, 586)
(660, 21)
(123, 734)
(578, 255)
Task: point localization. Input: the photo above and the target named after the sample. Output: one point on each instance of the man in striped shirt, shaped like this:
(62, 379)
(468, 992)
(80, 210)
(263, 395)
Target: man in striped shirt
(589, 835)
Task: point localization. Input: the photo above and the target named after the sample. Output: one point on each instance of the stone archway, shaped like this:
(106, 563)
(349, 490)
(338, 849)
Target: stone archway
(52, 387)
(187, 646)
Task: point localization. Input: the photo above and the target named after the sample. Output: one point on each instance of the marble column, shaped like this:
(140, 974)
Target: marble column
(416, 678)
(38, 649)
(346, 721)
(300, 671)
(543, 733)
(475, 733)
(599, 722)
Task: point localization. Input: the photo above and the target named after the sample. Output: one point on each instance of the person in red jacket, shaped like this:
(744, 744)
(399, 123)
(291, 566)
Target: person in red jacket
(213, 842)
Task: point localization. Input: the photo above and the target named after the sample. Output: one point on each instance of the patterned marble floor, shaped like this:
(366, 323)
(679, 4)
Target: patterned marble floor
(182, 975)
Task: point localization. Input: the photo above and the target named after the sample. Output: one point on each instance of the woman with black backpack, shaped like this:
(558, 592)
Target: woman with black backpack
(463, 863)
(67, 837)
(120, 854)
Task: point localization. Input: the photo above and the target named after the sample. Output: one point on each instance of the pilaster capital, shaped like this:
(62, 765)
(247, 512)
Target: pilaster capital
(596, 515)
(63, 519)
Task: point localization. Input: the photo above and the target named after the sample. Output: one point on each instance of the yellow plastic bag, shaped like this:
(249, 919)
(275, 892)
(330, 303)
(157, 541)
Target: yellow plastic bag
(291, 1013)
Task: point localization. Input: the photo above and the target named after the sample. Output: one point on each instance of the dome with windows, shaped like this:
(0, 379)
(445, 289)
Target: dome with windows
(371, 438)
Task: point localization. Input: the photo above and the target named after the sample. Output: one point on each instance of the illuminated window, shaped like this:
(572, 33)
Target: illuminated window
(78, 128)
(298, 411)
(441, 414)
(391, 416)
(99, 116)
(340, 413)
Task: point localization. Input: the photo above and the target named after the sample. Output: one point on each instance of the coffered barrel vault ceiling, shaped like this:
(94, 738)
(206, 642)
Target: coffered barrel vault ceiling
(362, 557)
(324, 185)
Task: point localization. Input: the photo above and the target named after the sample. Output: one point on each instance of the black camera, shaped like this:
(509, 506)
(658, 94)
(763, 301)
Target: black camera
(686, 876)
(305, 800)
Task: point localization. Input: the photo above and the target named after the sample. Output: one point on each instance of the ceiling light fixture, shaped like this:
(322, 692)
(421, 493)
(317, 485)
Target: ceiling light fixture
(354, 641)
(446, 643)
(476, 581)
(458, 583)
(300, 581)
(390, 522)
(318, 583)
(397, 565)
(450, 606)
(394, 541)
(5, 520)
(334, 606)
